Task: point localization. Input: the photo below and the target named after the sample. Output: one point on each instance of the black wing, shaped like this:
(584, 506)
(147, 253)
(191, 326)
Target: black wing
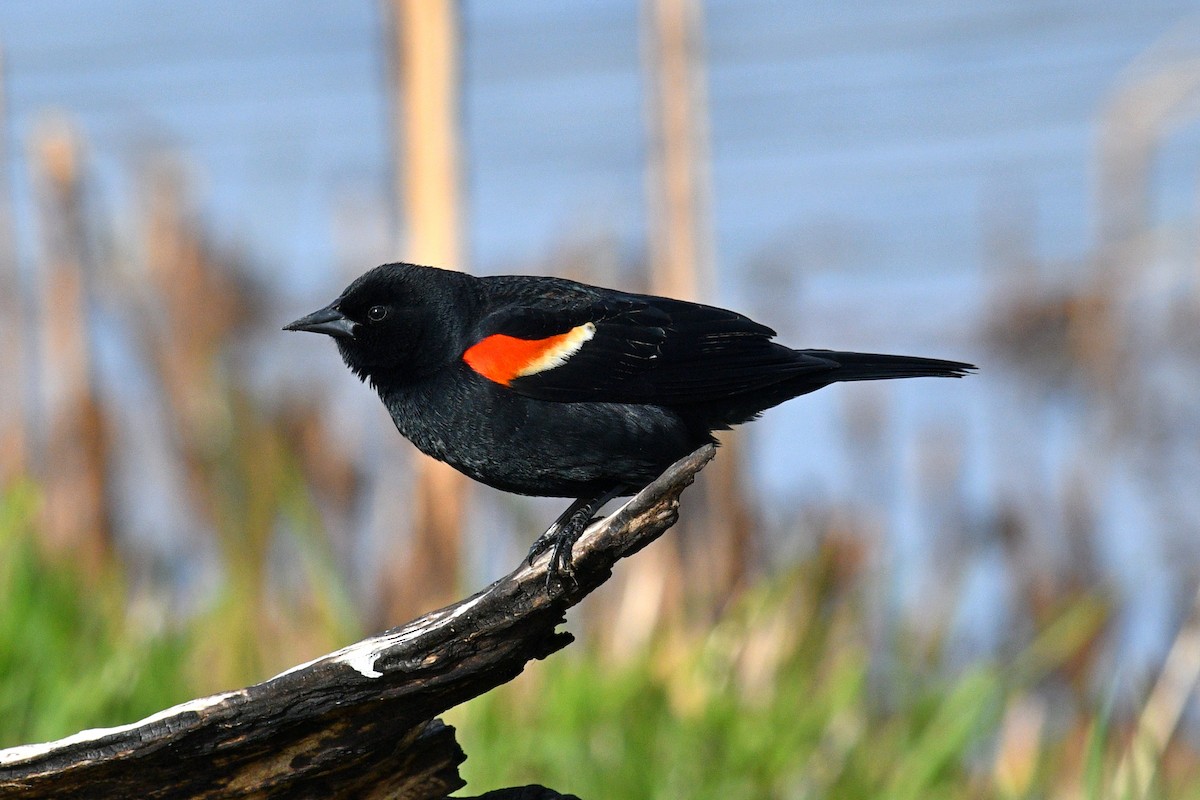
(642, 349)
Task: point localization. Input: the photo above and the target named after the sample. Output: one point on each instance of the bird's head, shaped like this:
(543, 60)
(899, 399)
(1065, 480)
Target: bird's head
(397, 323)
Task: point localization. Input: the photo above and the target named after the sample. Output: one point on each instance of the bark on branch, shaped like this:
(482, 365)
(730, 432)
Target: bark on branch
(359, 722)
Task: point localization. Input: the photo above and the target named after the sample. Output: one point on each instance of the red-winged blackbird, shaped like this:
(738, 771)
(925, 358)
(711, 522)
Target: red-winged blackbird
(544, 386)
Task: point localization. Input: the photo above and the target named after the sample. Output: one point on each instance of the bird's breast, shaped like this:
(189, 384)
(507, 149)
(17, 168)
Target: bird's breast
(520, 444)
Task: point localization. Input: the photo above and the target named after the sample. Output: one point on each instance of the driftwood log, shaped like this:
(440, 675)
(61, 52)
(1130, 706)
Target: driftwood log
(360, 722)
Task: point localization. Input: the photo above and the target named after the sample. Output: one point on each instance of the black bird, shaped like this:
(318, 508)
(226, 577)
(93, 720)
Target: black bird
(545, 386)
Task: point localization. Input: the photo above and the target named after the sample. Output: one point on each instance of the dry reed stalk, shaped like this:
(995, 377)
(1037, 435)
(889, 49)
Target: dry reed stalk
(13, 423)
(76, 514)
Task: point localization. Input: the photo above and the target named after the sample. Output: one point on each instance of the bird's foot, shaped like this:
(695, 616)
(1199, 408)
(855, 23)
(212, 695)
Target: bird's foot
(560, 539)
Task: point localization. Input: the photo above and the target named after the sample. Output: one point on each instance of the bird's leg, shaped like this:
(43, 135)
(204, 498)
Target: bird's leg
(562, 535)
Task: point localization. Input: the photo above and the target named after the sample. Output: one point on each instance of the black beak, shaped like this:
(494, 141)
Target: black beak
(328, 320)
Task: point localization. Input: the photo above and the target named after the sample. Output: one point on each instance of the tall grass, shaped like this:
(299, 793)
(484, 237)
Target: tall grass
(784, 699)
(70, 656)
(74, 655)
(775, 701)
(785, 696)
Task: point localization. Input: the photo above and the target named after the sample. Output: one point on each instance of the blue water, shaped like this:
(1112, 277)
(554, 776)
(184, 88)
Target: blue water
(862, 146)
(891, 124)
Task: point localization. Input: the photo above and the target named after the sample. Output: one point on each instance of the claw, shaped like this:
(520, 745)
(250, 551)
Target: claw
(560, 567)
(542, 544)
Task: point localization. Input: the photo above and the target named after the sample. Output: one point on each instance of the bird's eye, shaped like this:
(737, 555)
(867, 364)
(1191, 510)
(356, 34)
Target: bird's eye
(376, 313)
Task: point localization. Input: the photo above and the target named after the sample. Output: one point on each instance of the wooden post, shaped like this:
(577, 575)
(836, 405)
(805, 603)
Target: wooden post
(681, 246)
(682, 251)
(426, 109)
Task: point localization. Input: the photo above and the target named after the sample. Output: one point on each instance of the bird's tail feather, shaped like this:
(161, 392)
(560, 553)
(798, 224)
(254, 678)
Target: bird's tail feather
(877, 366)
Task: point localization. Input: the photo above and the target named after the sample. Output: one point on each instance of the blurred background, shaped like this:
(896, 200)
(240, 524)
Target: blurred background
(978, 588)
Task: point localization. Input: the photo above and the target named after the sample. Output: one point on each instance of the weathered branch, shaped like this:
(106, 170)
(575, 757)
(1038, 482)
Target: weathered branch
(359, 722)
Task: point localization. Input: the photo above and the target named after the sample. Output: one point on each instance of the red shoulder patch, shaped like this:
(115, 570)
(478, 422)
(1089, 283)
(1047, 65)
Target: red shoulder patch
(502, 358)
